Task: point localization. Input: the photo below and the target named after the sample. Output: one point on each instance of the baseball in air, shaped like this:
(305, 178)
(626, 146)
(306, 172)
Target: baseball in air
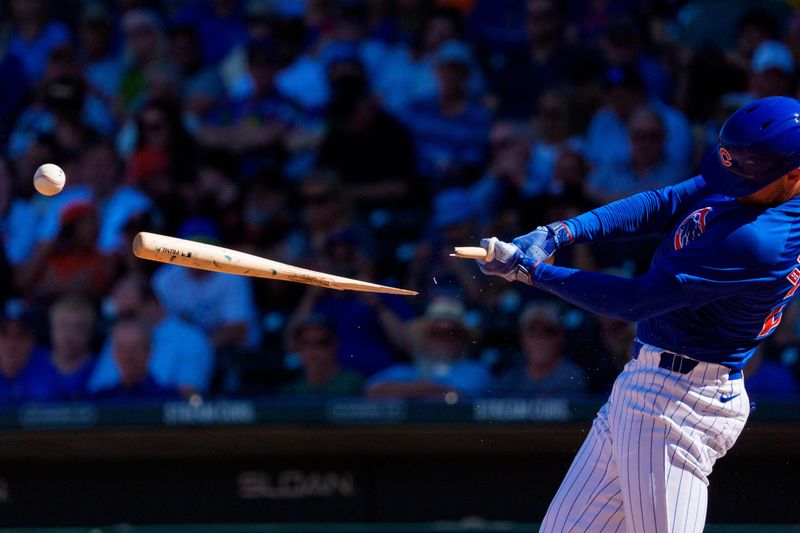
(49, 179)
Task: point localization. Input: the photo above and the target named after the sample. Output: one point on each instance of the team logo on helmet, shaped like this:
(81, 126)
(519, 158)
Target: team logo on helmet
(725, 157)
(691, 228)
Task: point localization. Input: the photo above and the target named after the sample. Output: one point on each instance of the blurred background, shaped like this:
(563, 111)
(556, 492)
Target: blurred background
(363, 138)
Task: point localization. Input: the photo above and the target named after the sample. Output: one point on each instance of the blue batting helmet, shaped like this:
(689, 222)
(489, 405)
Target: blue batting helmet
(758, 144)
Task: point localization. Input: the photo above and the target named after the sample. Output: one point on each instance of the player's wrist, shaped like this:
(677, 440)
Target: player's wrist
(562, 233)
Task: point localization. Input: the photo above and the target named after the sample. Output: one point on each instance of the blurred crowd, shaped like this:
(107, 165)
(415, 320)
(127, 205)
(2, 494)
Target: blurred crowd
(363, 138)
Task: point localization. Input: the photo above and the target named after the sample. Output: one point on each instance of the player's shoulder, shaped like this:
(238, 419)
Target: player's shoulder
(757, 235)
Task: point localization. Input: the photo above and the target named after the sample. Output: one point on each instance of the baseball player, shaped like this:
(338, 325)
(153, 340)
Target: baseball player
(727, 266)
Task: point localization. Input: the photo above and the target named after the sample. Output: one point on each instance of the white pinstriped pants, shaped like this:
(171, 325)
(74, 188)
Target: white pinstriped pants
(643, 467)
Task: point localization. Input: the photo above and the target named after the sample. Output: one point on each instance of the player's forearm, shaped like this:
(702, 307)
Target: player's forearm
(649, 212)
(629, 299)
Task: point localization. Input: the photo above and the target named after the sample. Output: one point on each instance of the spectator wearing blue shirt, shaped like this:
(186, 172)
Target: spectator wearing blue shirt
(441, 363)
(647, 166)
(71, 361)
(34, 36)
(543, 369)
(21, 360)
(181, 356)
(131, 347)
(451, 131)
(222, 305)
(607, 134)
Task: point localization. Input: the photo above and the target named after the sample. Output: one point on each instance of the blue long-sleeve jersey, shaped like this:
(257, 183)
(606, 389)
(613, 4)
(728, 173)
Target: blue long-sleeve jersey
(718, 282)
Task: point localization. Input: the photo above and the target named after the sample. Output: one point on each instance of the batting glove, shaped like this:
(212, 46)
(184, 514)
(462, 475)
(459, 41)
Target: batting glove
(543, 242)
(505, 260)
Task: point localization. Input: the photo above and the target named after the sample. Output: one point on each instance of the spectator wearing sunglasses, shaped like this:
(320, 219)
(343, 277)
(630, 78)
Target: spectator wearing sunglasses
(315, 343)
(542, 370)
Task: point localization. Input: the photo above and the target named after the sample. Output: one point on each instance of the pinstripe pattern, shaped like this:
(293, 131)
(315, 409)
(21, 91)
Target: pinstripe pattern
(644, 465)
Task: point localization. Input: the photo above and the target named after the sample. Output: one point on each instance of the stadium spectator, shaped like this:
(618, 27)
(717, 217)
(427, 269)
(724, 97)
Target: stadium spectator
(543, 369)
(131, 348)
(102, 62)
(220, 26)
(314, 341)
(201, 86)
(34, 35)
(146, 56)
(607, 135)
(648, 164)
(451, 130)
(73, 262)
(21, 359)
(370, 328)
(622, 47)
(220, 304)
(14, 94)
(441, 363)
(181, 356)
(772, 70)
(432, 270)
(325, 212)
(117, 203)
(367, 147)
(60, 113)
(255, 127)
(554, 125)
(406, 73)
(71, 359)
(518, 77)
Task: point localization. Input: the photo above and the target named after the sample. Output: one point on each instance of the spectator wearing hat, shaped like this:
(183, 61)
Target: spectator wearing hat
(21, 359)
(771, 70)
(181, 356)
(608, 132)
(452, 222)
(222, 305)
(441, 361)
(71, 360)
(450, 131)
(131, 346)
(73, 262)
(315, 343)
(543, 369)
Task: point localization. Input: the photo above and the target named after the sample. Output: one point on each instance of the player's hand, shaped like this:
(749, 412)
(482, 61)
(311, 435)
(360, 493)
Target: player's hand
(543, 242)
(503, 260)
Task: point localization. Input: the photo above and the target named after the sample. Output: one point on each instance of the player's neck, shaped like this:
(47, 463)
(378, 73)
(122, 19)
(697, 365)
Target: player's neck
(776, 193)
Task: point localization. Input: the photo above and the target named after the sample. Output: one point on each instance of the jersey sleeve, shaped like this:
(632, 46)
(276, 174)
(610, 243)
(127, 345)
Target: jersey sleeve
(721, 264)
(649, 212)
